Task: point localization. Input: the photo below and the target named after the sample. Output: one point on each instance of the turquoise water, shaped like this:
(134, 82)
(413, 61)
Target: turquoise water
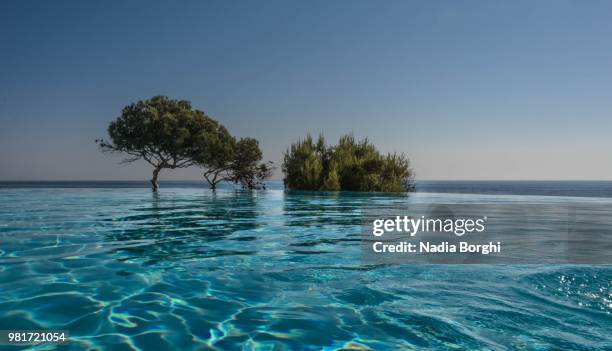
(188, 269)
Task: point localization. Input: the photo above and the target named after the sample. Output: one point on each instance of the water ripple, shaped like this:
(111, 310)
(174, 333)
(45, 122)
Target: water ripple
(193, 270)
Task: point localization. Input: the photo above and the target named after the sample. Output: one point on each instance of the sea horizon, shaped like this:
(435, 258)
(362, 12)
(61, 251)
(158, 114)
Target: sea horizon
(570, 188)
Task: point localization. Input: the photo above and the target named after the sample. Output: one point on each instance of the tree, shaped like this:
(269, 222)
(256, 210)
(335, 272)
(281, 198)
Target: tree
(350, 165)
(164, 132)
(239, 163)
(215, 155)
(246, 168)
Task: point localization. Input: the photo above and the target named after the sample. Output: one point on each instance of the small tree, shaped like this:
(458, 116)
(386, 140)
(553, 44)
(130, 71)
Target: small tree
(215, 155)
(163, 132)
(246, 168)
(239, 163)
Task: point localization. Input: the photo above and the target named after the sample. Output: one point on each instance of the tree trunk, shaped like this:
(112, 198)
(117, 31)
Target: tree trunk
(212, 183)
(154, 183)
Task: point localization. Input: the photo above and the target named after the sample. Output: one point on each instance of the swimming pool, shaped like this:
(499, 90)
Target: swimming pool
(271, 270)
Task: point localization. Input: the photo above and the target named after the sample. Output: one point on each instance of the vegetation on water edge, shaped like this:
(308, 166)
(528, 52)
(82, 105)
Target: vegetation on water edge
(170, 134)
(350, 165)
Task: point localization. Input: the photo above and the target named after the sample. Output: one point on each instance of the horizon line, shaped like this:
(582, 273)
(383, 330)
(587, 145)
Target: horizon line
(280, 180)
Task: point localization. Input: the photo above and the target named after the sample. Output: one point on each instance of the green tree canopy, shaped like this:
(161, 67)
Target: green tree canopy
(166, 133)
(246, 167)
(239, 163)
(350, 165)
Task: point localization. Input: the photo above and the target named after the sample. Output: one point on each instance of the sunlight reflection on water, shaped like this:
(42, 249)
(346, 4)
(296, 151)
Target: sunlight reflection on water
(188, 268)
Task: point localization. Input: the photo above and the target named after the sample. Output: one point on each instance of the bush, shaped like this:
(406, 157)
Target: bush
(350, 165)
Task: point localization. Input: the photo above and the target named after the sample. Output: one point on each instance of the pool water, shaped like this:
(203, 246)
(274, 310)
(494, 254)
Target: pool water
(189, 269)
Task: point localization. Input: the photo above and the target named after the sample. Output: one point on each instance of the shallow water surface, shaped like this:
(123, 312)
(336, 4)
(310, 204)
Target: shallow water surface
(271, 270)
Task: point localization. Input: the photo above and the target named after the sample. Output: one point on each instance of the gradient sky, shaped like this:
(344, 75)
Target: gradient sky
(467, 89)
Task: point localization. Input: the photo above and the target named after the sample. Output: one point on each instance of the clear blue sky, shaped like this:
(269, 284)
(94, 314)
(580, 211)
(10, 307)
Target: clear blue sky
(468, 89)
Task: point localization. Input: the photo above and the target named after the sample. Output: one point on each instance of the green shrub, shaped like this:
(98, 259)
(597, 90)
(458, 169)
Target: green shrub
(350, 165)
